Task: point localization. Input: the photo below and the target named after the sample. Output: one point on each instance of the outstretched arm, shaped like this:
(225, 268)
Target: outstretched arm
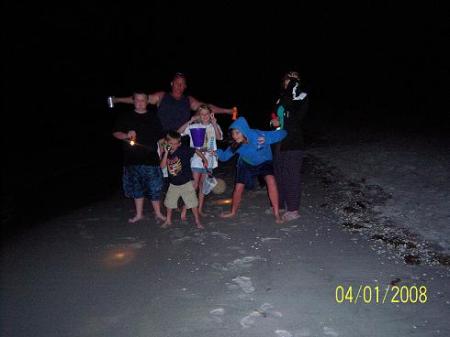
(224, 155)
(154, 98)
(194, 103)
(124, 135)
(127, 100)
(276, 136)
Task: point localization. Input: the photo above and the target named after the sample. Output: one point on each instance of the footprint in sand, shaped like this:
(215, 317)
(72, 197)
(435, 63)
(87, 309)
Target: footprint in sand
(270, 239)
(283, 333)
(245, 283)
(292, 228)
(181, 240)
(264, 311)
(232, 286)
(244, 263)
(218, 266)
(238, 264)
(250, 320)
(217, 314)
(222, 235)
(239, 249)
(304, 332)
(329, 331)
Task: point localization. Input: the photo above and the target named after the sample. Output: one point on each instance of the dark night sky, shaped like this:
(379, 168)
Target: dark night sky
(363, 61)
(363, 55)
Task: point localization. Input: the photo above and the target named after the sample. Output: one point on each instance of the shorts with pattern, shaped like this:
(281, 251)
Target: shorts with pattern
(142, 181)
(185, 191)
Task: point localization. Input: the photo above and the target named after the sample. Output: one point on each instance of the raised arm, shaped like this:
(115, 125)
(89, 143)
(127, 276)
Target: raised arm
(163, 163)
(214, 109)
(217, 129)
(185, 125)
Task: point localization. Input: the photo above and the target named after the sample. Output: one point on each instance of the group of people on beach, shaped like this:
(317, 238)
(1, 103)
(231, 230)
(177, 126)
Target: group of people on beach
(160, 159)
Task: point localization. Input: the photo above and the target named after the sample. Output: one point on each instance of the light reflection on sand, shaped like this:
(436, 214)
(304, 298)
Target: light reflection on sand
(223, 201)
(118, 256)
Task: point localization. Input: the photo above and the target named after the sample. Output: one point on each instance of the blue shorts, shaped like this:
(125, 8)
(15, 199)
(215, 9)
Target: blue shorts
(247, 173)
(199, 170)
(142, 181)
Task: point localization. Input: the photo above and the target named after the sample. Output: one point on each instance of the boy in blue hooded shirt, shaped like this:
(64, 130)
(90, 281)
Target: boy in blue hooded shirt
(255, 159)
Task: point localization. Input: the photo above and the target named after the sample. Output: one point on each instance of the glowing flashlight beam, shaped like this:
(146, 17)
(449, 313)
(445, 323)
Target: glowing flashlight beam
(224, 202)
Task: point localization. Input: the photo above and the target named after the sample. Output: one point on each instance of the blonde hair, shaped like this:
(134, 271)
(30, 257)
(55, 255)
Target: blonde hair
(204, 107)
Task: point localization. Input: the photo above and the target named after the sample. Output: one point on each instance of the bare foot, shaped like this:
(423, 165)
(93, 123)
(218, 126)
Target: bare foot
(269, 211)
(160, 217)
(278, 220)
(200, 226)
(291, 215)
(166, 225)
(227, 215)
(135, 219)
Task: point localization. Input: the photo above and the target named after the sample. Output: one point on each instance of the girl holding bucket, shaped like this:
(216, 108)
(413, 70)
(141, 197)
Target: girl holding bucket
(203, 131)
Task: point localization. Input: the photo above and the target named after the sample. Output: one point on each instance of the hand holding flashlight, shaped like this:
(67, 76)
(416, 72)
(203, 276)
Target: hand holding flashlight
(132, 137)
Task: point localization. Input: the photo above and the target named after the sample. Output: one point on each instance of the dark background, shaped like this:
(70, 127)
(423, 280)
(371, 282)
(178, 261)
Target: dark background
(363, 64)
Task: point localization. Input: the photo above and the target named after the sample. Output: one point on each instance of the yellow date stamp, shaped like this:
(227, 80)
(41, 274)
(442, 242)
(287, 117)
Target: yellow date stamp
(375, 294)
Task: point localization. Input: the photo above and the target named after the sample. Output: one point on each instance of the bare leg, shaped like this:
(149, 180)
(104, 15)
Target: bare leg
(195, 182)
(273, 196)
(183, 213)
(157, 208)
(139, 205)
(168, 221)
(196, 177)
(237, 196)
(201, 196)
(197, 218)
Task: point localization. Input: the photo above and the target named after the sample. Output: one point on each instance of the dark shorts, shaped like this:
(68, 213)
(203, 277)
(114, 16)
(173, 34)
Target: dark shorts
(247, 173)
(142, 181)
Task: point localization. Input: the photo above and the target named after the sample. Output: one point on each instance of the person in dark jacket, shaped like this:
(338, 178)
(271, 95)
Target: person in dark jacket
(291, 108)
